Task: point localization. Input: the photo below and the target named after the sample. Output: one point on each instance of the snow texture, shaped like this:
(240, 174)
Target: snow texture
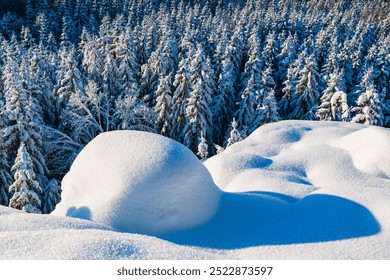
(292, 190)
(138, 182)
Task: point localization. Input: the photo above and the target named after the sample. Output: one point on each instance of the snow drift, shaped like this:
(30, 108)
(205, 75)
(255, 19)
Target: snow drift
(317, 190)
(138, 182)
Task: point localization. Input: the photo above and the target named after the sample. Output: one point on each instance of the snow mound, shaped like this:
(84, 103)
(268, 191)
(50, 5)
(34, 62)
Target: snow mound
(46, 237)
(369, 149)
(297, 158)
(294, 190)
(138, 182)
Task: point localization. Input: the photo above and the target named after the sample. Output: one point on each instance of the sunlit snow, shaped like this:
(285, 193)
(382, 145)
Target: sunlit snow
(291, 190)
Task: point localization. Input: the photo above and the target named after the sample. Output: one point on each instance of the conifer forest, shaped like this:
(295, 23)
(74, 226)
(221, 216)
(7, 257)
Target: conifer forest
(205, 73)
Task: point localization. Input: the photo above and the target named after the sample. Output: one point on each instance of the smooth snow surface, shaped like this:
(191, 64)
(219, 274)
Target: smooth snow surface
(291, 190)
(138, 182)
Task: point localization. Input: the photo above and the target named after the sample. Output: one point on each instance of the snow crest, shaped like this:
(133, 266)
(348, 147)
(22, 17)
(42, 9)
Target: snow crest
(138, 182)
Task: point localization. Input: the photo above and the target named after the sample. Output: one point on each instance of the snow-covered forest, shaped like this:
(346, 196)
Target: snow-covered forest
(204, 73)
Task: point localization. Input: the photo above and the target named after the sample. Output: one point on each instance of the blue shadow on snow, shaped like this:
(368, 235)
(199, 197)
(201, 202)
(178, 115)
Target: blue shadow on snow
(261, 218)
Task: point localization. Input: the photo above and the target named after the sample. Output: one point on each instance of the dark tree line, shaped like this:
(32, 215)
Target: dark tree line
(204, 73)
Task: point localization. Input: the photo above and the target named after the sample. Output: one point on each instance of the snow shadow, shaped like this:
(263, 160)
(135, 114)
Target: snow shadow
(255, 219)
(81, 213)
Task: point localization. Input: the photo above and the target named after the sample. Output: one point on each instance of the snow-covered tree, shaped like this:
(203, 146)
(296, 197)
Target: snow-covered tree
(183, 85)
(369, 103)
(161, 62)
(218, 149)
(198, 113)
(307, 91)
(234, 135)
(25, 189)
(339, 105)
(198, 116)
(164, 106)
(246, 113)
(223, 106)
(202, 148)
(286, 103)
(23, 115)
(250, 85)
(285, 59)
(334, 106)
(86, 114)
(133, 114)
(51, 196)
(69, 78)
(267, 109)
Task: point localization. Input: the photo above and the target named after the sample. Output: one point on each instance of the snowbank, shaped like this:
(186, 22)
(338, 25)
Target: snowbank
(44, 237)
(138, 182)
(293, 190)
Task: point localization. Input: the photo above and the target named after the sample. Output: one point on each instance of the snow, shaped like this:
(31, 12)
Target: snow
(291, 190)
(138, 182)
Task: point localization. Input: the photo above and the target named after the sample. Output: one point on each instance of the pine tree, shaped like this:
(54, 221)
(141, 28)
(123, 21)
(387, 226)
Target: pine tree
(267, 110)
(198, 113)
(161, 62)
(198, 116)
(334, 106)
(86, 115)
(234, 135)
(289, 89)
(285, 59)
(128, 66)
(24, 120)
(93, 59)
(202, 148)
(183, 85)
(269, 53)
(25, 190)
(369, 108)
(218, 149)
(223, 106)
(307, 91)
(246, 113)
(51, 196)
(69, 79)
(164, 106)
(339, 105)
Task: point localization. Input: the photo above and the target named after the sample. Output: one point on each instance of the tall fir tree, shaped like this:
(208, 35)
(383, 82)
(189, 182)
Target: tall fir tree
(267, 110)
(24, 120)
(368, 109)
(183, 85)
(307, 91)
(164, 106)
(198, 113)
(25, 189)
(334, 106)
(234, 134)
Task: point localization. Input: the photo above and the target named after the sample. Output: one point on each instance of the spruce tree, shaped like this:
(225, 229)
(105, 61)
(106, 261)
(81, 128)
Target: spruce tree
(369, 103)
(25, 189)
(51, 196)
(267, 110)
(307, 91)
(334, 106)
(182, 84)
(198, 113)
(202, 148)
(164, 106)
(234, 135)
